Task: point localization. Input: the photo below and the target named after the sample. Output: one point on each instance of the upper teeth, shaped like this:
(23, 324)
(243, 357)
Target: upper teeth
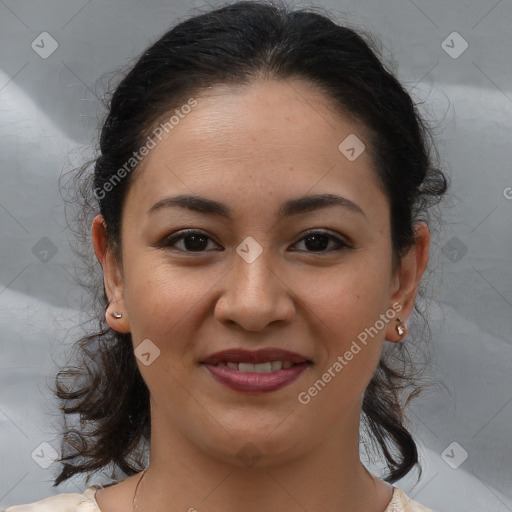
(270, 366)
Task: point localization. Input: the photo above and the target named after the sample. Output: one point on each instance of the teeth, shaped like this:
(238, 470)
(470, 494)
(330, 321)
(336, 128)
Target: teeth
(276, 365)
(258, 368)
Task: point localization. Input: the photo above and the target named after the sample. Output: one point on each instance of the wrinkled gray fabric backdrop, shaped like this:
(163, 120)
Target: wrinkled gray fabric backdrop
(454, 56)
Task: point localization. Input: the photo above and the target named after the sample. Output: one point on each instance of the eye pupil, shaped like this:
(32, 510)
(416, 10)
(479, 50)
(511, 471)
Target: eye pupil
(198, 243)
(320, 242)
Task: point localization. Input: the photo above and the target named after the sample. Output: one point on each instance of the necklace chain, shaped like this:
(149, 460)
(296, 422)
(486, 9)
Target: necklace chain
(135, 494)
(134, 504)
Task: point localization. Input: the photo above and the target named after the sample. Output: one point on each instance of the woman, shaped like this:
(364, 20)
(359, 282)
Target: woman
(263, 189)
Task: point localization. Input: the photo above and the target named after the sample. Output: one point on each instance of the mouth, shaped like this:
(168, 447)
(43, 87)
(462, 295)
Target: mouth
(258, 371)
(267, 367)
(256, 357)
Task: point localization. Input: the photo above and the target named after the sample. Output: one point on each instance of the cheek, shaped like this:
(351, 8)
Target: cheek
(346, 307)
(349, 338)
(347, 298)
(161, 297)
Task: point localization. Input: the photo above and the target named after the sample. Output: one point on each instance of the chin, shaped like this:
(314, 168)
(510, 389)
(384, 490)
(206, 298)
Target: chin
(256, 446)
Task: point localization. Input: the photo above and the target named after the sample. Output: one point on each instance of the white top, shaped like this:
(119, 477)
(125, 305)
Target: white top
(74, 502)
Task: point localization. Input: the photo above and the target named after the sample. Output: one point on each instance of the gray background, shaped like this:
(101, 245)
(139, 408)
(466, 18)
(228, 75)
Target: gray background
(49, 115)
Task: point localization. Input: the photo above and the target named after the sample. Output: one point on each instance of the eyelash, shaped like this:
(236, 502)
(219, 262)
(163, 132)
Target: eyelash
(168, 241)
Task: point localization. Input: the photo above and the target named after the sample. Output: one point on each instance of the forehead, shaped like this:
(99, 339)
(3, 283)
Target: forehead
(278, 137)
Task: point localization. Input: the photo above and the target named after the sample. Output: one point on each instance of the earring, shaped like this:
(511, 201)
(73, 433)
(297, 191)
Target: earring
(401, 328)
(117, 314)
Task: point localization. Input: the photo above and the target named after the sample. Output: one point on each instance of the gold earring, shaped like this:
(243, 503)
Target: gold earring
(401, 328)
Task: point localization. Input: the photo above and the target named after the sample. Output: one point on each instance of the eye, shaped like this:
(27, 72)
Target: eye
(197, 241)
(193, 241)
(318, 241)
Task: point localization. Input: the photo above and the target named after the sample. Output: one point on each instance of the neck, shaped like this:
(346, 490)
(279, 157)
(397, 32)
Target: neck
(328, 477)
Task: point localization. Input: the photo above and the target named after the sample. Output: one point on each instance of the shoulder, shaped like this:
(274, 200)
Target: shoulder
(68, 502)
(400, 502)
(74, 502)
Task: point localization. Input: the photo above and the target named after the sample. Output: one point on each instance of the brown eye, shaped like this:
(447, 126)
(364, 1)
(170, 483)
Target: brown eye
(193, 241)
(318, 241)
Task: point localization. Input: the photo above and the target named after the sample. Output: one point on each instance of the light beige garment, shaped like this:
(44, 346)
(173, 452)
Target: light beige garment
(74, 502)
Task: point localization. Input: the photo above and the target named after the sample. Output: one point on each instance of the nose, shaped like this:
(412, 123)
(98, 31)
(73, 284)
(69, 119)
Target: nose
(255, 295)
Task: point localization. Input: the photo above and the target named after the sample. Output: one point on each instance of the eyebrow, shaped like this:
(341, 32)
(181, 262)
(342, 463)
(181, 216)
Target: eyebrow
(291, 207)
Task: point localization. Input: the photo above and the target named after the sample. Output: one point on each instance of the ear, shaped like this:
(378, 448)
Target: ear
(112, 275)
(406, 279)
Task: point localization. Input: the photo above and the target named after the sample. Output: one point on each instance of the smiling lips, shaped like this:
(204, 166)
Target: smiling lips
(257, 371)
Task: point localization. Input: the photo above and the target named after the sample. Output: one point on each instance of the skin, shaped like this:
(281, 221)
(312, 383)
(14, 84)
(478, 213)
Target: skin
(253, 148)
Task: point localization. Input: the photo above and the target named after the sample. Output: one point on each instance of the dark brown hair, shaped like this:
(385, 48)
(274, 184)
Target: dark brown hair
(104, 390)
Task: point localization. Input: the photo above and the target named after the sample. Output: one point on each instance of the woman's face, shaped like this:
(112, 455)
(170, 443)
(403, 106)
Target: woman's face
(261, 270)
